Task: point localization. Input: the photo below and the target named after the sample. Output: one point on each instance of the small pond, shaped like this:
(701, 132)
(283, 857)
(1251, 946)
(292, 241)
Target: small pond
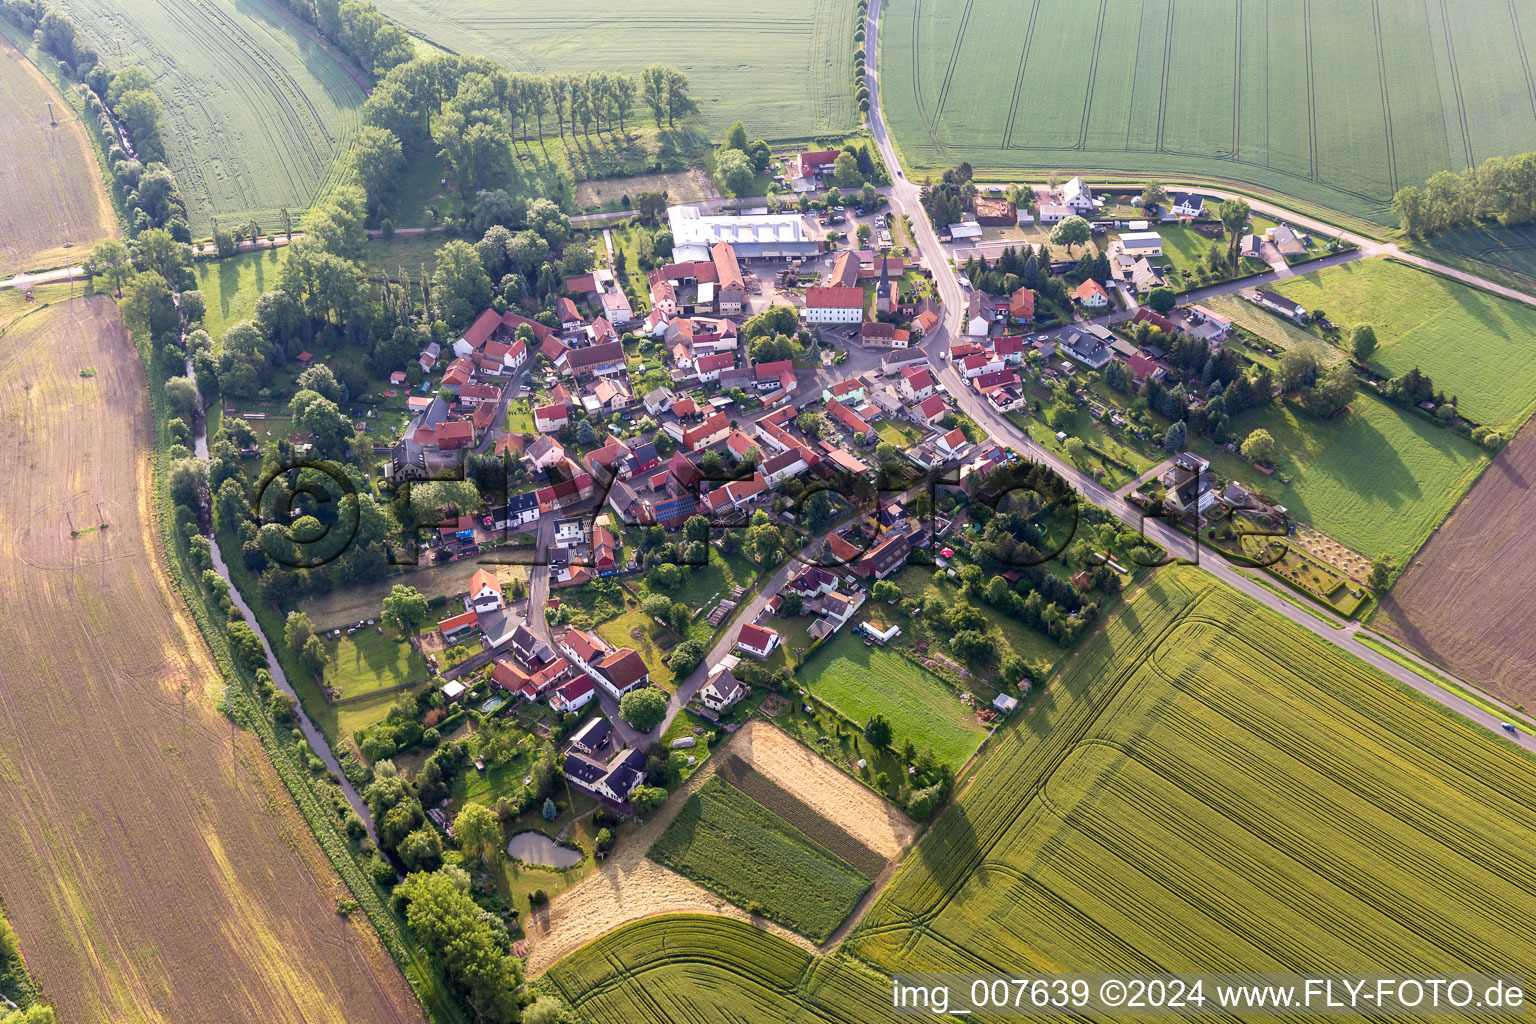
(537, 848)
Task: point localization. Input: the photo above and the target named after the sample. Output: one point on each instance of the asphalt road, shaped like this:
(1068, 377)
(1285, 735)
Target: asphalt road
(905, 198)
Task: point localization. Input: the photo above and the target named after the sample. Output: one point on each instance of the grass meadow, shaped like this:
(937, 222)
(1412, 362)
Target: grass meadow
(1377, 478)
(1476, 346)
(736, 847)
(784, 70)
(258, 116)
(1337, 104)
(862, 681)
(1208, 787)
(371, 660)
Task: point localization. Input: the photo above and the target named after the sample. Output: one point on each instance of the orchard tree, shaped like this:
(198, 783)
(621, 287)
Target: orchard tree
(1362, 341)
(644, 709)
(405, 608)
(1259, 446)
(1162, 299)
(1072, 232)
(878, 731)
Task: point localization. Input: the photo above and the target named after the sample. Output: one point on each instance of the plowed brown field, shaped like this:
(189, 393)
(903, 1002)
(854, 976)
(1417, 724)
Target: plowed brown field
(153, 865)
(1464, 602)
(54, 206)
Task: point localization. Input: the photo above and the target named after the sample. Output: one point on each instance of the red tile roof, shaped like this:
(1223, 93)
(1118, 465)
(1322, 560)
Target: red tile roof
(834, 297)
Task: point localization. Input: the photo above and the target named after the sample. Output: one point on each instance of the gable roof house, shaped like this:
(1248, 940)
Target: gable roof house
(917, 384)
(1021, 304)
(845, 270)
(603, 360)
(711, 432)
(484, 591)
(1277, 303)
(1088, 345)
(549, 418)
(1190, 484)
(573, 695)
(730, 290)
(1187, 204)
(569, 316)
(837, 305)
(758, 641)
(1091, 295)
(849, 419)
(721, 689)
(611, 781)
(1078, 197)
(885, 557)
(931, 409)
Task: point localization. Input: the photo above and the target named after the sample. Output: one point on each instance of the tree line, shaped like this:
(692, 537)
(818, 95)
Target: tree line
(374, 43)
(1499, 190)
(480, 110)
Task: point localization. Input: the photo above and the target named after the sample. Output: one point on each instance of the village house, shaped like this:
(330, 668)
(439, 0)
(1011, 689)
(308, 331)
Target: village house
(1021, 305)
(485, 591)
(1190, 485)
(569, 316)
(837, 305)
(917, 384)
(931, 410)
(573, 695)
(721, 690)
(885, 557)
(1284, 238)
(549, 418)
(611, 781)
(729, 290)
(1277, 303)
(1187, 204)
(1141, 243)
(878, 334)
(543, 453)
(1078, 198)
(1091, 295)
(710, 367)
(758, 641)
(1088, 345)
(603, 360)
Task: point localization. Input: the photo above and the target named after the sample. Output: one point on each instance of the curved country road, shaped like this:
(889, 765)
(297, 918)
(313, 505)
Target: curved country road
(905, 197)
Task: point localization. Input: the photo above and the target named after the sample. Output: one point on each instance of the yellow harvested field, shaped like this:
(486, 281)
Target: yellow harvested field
(154, 867)
(825, 788)
(53, 204)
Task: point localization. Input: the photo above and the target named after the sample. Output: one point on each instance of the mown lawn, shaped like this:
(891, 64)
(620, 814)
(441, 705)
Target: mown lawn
(1476, 346)
(618, 631)
(1377, 479)
(862, 681)
(370, 660)
(734, 846)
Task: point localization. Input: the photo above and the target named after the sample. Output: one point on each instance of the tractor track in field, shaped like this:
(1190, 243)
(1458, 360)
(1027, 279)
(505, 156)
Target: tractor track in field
(1237, 87)
(1018, 80)
(1461, 104)
(1093, 74)
(954, 59)
(1386, 102)
(1162, 106)
(1306, 22)
(1525, 58)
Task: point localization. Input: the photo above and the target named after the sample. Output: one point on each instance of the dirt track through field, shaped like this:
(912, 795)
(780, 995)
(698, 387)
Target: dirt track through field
(1464, 602)
(154, 867)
